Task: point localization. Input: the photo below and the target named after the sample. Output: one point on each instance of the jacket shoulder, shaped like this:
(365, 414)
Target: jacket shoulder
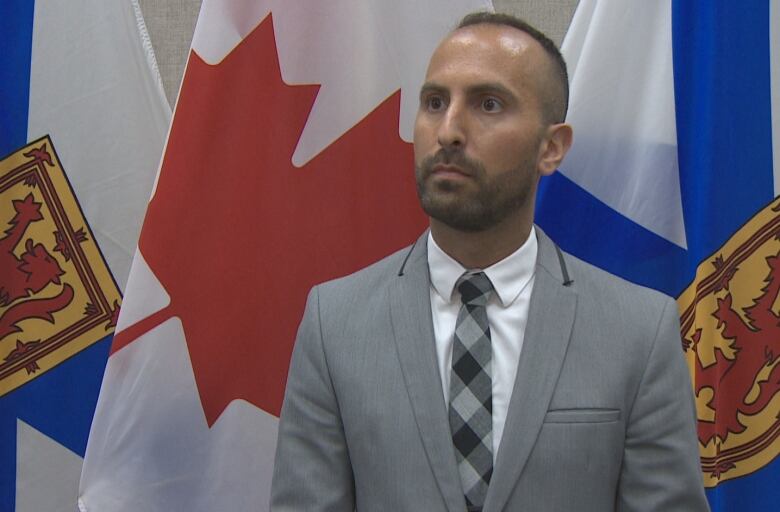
(369, 279)
(608, 293)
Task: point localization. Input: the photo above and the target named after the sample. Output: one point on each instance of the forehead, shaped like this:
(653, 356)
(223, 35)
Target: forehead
(488, 52)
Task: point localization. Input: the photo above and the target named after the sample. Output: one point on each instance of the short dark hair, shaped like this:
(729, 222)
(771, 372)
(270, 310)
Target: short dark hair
(555, 105)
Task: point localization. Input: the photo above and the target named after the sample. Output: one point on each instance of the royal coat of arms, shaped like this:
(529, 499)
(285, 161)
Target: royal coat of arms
(730, 318)
(57, 296)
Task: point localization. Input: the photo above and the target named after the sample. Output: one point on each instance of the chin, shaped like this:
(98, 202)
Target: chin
(453, 215)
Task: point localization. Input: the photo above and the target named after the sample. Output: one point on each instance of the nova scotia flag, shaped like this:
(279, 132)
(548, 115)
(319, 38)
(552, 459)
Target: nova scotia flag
(672, 183)
(83, 120)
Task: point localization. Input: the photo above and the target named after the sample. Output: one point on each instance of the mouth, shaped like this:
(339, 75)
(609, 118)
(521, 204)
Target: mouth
(449, 171)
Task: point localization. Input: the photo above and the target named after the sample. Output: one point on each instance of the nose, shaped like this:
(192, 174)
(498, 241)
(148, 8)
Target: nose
(452, 130)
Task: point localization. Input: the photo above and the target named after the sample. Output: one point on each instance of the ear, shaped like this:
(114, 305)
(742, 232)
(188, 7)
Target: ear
(554, 147)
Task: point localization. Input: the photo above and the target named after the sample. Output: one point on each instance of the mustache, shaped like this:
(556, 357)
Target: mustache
(455, 157)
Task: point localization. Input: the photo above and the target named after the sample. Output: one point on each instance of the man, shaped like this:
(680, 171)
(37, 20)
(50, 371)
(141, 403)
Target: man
(482, 368)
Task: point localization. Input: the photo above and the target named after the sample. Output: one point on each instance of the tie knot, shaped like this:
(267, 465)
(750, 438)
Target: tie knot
(474, 288)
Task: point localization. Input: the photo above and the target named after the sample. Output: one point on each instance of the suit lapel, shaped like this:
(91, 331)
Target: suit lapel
(550, 319)
(410, 310)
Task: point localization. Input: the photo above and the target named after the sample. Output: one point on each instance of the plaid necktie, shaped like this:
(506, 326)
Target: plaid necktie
(471, 399)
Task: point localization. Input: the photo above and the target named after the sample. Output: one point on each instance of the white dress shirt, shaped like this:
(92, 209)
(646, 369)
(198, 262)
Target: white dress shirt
(507, 311)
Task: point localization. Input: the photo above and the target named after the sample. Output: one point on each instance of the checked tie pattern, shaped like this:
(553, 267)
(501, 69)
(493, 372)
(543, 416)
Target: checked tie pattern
(471, 398)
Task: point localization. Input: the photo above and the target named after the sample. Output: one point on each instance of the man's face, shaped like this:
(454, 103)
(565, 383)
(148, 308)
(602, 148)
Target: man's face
(479, 127)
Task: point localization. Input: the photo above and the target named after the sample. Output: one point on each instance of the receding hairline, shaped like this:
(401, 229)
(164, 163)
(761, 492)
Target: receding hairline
(554, 88)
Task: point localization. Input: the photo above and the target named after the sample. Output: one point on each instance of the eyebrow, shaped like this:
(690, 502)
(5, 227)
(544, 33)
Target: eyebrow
(430, 87)
(481, 88)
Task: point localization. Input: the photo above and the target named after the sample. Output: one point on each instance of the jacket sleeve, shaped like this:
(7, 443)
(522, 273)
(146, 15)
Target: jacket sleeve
(312, 470)
(661, 470)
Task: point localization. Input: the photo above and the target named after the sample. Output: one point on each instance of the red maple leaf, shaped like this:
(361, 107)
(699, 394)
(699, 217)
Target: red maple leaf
(237, 235)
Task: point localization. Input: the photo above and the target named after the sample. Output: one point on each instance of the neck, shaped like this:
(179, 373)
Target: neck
(480, 249)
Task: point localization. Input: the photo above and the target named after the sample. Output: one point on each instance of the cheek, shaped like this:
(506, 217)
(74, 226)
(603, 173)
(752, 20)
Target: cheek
(511, 150)
(422, 141)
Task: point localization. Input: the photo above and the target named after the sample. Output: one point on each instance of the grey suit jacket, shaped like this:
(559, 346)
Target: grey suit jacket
(601, 416)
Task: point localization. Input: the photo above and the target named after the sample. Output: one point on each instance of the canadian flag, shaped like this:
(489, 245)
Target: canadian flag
(288, 163)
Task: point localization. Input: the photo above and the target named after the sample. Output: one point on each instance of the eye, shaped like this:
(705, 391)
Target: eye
(434, 103)
(491, 105)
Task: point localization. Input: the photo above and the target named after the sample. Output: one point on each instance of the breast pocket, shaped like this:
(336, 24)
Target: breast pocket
(582, 416)
(581, 449)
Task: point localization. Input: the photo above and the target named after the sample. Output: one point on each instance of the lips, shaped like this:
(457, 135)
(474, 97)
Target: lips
(449, 170)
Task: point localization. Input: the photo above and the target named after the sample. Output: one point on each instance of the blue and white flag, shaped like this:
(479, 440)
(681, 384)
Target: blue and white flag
(672, 183)
(83, 120)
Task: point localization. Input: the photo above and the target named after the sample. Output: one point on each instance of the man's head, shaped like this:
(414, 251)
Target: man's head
(554, 81)
(490, 122)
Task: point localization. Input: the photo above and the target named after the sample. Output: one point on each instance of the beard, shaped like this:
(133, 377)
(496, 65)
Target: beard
(496, 196)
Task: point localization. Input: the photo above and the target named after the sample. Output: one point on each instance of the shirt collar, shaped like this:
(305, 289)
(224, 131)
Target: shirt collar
(509, 276)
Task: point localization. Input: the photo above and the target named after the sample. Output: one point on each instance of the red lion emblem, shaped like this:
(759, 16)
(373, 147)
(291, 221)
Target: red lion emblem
(756, 345)
(26, 276)
(730, 319)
